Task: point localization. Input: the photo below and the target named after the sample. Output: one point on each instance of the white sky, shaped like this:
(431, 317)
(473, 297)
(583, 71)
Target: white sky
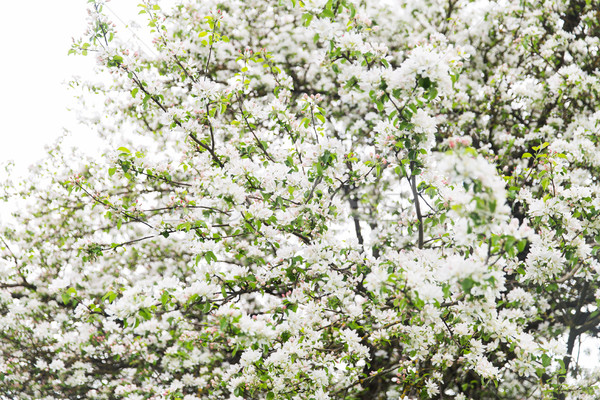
(35, 37)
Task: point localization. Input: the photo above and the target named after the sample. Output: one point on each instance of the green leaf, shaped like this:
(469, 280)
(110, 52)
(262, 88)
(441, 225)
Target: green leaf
(66, 298)
(209, 256)
(425, 83)
(327, 14)
(546, 360)
(467, 284)
(307, 18)
(164, 298)
(110, 296)
(115, 61)
(145, 313)
(432, 93)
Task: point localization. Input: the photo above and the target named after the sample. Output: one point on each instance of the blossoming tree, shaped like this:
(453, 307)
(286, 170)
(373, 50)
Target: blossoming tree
(319, 199)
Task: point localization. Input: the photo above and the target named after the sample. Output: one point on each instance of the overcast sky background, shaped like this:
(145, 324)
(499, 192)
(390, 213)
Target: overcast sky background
(35, 37)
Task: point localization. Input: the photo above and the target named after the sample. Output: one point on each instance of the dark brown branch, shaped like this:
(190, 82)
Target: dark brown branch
(413, 183)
